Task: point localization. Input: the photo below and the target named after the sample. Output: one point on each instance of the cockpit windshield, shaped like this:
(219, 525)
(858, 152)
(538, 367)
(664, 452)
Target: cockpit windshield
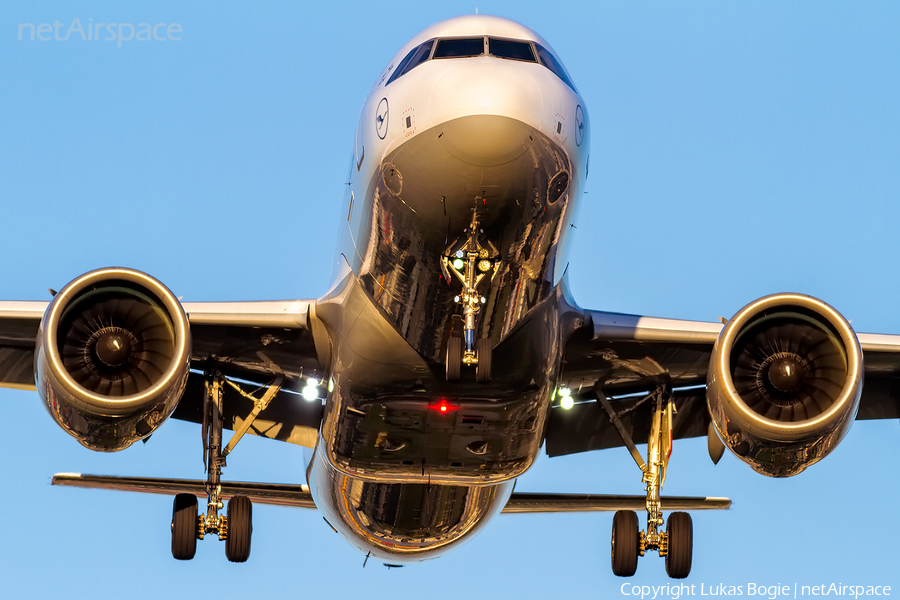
(459, 48)
(511, 49)
(471, 47)
(549, 61)
(416, 57)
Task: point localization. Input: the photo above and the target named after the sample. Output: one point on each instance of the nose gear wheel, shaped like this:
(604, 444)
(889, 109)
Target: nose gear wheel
(454, 359)
(484, 353)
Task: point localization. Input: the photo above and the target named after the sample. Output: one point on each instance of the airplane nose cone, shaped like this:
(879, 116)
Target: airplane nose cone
(488, 104)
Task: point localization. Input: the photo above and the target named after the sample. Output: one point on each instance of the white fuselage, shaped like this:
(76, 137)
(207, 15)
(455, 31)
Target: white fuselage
(473, 121)
(441, 90)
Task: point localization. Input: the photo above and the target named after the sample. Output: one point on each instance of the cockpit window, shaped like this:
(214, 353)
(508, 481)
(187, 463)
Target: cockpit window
(459, 48)
(416, 57)
(511, 49)
(549, 61)
(467, 47)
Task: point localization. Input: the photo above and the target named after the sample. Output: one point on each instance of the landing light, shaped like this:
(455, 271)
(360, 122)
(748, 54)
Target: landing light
(311, 391)
(458, 264)
(566, 402)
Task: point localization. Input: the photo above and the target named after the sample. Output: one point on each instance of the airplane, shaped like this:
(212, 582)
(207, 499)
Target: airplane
(448, 349)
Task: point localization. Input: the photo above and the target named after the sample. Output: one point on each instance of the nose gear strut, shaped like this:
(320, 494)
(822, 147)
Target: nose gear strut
(470, 262)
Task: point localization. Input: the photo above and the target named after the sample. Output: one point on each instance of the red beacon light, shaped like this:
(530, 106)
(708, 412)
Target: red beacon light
(443, 407)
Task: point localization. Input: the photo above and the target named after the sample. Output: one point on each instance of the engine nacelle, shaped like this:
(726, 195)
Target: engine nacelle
(784, 382)
(112, 357)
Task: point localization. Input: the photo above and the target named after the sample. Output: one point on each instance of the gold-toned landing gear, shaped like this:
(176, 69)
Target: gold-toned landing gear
(470, 262)
(676, 542)
(236, 527)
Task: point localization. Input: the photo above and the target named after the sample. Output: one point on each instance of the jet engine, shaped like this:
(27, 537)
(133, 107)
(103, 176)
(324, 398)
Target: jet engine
(784, 382)
(112, 357)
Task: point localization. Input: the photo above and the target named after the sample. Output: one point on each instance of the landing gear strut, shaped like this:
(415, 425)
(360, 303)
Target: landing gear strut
(676, 543)
(470, 262)
(235, 528)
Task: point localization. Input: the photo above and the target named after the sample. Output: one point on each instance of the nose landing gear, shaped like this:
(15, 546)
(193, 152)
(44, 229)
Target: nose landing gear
(470, 262)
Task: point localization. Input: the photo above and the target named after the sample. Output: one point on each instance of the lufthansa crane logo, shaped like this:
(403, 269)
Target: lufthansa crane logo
(579, 125)
(381, 118)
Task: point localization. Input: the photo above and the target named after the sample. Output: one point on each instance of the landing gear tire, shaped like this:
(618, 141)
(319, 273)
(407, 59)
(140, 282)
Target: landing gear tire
(681, 545)
(454, 358)
(184, 527)
(625, 543)
(483, 350)
(240, 527)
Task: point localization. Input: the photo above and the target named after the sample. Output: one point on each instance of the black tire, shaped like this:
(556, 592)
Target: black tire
(240, 529)
(453, 361)
(681, 545)
(184, 526)
(625, 543)
(484, 352)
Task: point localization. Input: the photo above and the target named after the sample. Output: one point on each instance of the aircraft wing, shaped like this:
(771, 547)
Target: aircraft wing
(19, 322)
(254, 340)
(249, 341)
(625, 356)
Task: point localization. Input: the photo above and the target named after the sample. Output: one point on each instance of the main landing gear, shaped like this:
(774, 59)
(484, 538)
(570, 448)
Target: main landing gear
(677, 541)
(470, 262)
(236, 527)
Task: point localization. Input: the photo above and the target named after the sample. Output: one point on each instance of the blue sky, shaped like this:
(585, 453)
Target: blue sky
(738, 149)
